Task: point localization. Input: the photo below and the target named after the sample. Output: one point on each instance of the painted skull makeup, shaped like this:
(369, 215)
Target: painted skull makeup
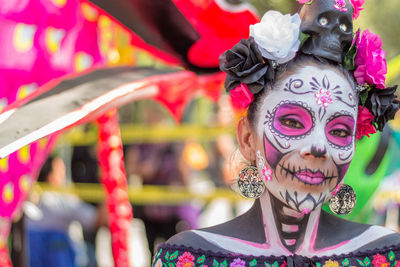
(306, 127)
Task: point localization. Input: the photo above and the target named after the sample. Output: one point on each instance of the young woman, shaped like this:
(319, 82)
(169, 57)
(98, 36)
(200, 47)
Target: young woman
(304, 112)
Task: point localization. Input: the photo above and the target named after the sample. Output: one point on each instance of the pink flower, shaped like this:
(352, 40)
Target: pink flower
(364, 123)
(185, 260)
(284, 264)
(357, 5)
(380, 261)
(158, 263)
(323, 97)
(305, 1)
(238, 263)
(241, 96)
(370, 61)
(267, 173)
(340, 5)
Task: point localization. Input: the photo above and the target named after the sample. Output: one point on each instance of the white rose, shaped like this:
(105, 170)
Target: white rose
(277, 36)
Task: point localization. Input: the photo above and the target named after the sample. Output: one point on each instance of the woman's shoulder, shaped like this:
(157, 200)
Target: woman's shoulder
(333, 230)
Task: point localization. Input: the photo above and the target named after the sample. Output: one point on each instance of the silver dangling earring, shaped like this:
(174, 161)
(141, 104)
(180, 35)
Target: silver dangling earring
(344, 201)
(250, 182)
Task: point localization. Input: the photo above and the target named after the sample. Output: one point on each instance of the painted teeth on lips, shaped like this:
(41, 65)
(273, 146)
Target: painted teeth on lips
(310, 177)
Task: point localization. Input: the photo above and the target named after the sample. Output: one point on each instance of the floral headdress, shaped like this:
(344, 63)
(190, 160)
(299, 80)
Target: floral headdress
(276, 40)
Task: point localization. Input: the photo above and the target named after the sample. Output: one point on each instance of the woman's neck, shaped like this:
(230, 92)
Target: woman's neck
(284, 226)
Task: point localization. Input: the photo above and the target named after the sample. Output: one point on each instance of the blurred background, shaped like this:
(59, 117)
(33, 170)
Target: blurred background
(182, 175)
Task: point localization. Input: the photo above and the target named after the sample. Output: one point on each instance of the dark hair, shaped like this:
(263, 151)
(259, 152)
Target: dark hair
(46, 169)
(288, 69)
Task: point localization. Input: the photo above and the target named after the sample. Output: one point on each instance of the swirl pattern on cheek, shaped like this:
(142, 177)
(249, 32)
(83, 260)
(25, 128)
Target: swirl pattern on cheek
(290, 120)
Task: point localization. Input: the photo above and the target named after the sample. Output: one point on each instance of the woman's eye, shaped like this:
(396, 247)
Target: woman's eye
(291, 123)
(340, 133)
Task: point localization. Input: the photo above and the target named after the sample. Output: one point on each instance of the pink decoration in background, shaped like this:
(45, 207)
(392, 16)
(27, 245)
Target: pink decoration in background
(308, 2)
(113, 177)
(340, 5)
(40, 46)
(241, 96)
(364, 123)
(5, 226)
(371, 66)
(357, 5)
(323, 97)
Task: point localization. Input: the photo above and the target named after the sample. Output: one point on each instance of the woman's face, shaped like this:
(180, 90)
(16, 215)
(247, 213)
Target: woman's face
(305, 136)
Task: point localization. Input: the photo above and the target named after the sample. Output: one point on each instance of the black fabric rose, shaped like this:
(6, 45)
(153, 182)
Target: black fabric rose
(244, 64)
(383, 105)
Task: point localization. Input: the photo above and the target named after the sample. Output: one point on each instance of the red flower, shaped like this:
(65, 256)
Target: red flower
(185, 260)
(364, 123)
(357, 5)
(241, 96)
(380, 261)
(371, 67)
(284, 264)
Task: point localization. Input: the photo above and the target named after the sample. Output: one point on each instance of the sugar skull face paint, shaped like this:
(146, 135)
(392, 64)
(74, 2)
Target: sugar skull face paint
(307, 145)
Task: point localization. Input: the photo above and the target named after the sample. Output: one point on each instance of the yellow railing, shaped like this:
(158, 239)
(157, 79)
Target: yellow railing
(165, 195)
(155, 134)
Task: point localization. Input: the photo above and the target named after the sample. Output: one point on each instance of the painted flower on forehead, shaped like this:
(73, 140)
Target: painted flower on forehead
(323, 97)
(357, 6)
(277, 36)
(371, 67)
(340, 5)
(364, 122)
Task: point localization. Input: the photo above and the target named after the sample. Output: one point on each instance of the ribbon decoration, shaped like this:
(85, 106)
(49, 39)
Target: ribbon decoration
(113, 177)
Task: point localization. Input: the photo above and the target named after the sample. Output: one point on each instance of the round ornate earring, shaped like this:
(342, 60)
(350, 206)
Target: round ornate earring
(343, 201)
(250, 182)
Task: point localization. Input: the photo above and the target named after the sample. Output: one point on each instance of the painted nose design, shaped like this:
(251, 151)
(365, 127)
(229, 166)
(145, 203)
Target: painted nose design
(317, 151)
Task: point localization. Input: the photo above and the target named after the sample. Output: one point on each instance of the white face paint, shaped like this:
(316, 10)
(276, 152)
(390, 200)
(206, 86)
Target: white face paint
(306, 129)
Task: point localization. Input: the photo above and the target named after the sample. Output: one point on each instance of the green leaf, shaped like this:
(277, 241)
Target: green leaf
(223, 264)
(391, 256)
(275, 264)
(348, 61)
(171, 264)
(367, 261)
(201, 259)
(318, 264)
(159, 253)
(253, 262)
(173, 256)
(345, 262)
(363, 97)
(303, 38)
(215, 263)
(360, 262)
(167, 256)
(267, 264)
(165, 264)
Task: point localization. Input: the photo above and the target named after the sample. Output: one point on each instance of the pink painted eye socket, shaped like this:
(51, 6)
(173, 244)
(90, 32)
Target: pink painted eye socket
(339, 131)
(292, 120)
